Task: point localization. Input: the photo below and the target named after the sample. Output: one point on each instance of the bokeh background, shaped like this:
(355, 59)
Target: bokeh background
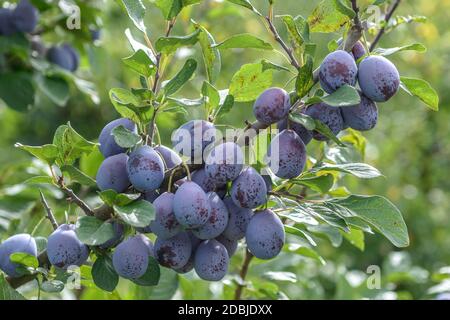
(410, 146)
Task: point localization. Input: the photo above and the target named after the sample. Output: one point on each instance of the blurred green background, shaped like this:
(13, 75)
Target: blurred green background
(409, 146)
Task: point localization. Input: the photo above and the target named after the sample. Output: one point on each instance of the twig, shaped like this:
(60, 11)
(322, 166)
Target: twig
(243, 274)
(383, 28)
(277, 37)
(179, 172)
(72, 197)
(49, 211)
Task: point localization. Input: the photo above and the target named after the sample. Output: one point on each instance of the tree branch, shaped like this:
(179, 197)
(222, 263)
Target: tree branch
(72, 197)
(49, 211)
(383, 28)
(243, 274)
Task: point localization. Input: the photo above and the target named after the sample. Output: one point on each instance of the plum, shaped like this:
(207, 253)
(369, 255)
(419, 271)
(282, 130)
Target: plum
(211, 260)
(192, 138)
(217, 221)
(174, 252)
(224, 163)
(74, 55)
(64, 249)
(191, 205)
(145, 169)
(249, 190)
(171, 159)
(165, 225)
(119, 232)
(265, 235)
(272, 106)
(203, 180)
(112, 173)
(130, 259)
(189, 266)
(287, 155)
(108, 146)
(194, 240)
(230, 245)
(299, 129)
(329, 116)
(151, 195)
(337, 69)
(19, 243)
(378, 78)
(358, 50)
(363, 116)
(7, 26)
(237, 221)
(25, 17)
(64, 56)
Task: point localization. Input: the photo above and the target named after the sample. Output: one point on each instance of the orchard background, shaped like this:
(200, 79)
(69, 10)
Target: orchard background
(408, 146)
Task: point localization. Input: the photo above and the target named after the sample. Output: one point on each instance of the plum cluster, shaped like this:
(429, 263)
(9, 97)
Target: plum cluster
(24, 19)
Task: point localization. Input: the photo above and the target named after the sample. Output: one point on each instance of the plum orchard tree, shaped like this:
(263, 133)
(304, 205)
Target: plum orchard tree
(34, 61)
(192, 207)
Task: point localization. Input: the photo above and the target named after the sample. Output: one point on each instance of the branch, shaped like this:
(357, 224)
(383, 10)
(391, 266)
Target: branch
(243, 275)
(72, 197)
(49, 211)
(386, 21)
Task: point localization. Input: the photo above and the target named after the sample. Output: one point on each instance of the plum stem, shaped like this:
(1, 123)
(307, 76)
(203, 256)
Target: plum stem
(50, 215)
(243, 274)
(383, 28)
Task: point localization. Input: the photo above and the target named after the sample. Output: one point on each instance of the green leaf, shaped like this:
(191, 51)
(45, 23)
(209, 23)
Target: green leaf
(306, 252)
(141, 63)
(183, 76)
(329, 232)
(321, 184)
(171, 8)
(269, 65)
(47, 153)
(359, 170)
(245, 40)
(103, 274)
(211, 96)
(111, 197)
(78, 176)
(137, 214)
(423, 90)
(304, 81)
(52, 286)
(313, 124)
(124, 137)
(71, 145)
(187, 103)
(168, 45)
(136, 45)
(225, 107)
(54, 87)
(305, 121)
(249, 82)
(136, 11)
(411, 47)
(8, 293)
(299, 233)
(39, 180)
(24, 259)
(211, 55)
(380, 213)
(93, 231)
(280, 276)
(345, 96)
(355, 237)
(297, 28)
(329, 16)
(152, 274)
(125, 103)
(244, 3)
(16, 90)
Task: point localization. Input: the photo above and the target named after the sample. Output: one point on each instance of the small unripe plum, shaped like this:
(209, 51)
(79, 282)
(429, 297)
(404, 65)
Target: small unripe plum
(203, 180)
(7, 26)
(64, 249)
(145, 169)
(174, 252)
(363, 116)
(378, 78)
(191, 205)
(19, 243)
(299, 129)
(171, 159)
(272, 105)
(237, 221)
(265, 235)
(224, 163)
(217, 221)
(337, 69)
(358, 50)
(192, 138)
(329, 116)
(249, 190)
(108, 146)
(287, 155)
(211, 260)
(25, 17)
(165, 225)
(119, 232)
(130, 259)
(112, 173)
(230, 245)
